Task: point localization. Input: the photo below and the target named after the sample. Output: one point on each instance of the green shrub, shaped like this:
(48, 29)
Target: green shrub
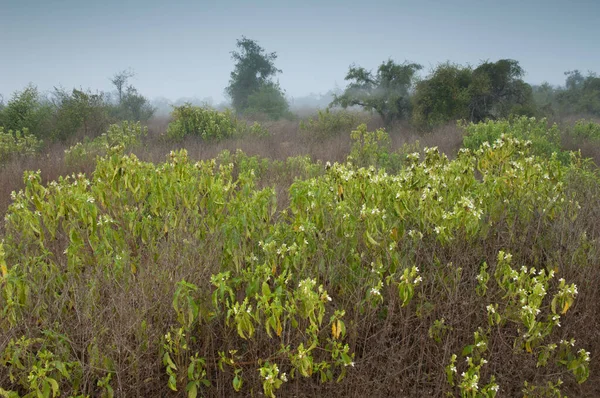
(118, 138)
(17, 143)
(545, 140)
(270, 101)
(27, 110)
(329, 123)
(79, 112)
(586, 129)
(209, 124)
(190, 277)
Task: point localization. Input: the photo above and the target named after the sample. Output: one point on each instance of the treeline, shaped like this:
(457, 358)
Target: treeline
(395, 91)
(63, 114)
(489, 91)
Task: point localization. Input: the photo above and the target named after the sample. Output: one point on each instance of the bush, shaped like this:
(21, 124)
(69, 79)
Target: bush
(268, 101)
(79, 112)
(584, 129)
(545, 140)
(118, 138)
(132, 106)
(17, 143)
(329, 123)
(208, 124)
(190, 278)
(27, 110)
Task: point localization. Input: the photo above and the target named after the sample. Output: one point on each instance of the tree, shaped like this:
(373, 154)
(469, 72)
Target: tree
(135, 106)
(27, 109)
(581, 94)
(490, 91)
(132, 105)
(254, 68)
(269, 101)
(119, 80)
(387, 92)
(79, 111)
(544, 97)
(498, 90)
(444, 96)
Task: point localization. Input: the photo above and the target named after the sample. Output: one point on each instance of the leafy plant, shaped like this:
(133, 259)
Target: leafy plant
(17, 143)
(329, 123)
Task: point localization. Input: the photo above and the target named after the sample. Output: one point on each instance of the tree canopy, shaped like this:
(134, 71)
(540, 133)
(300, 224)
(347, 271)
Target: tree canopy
(254, 68)
(490, 91)
(386, 92)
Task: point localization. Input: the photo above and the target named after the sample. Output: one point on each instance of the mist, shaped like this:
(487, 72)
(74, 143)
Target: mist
(182, 51)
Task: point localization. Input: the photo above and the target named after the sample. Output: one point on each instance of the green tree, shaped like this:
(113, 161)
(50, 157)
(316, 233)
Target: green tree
(444, 96)
(254, 68)
(270, 101)
(490, 91)
(134, 106)
(581, 94)
(498, 90)
(131, 104)
(27, 110)
(545, 98)
(386, 92)
(79, 111)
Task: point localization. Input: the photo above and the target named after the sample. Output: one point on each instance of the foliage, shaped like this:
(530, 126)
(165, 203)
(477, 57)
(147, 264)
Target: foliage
(260, 292)
(544, 97)
(17, 143)
(253, 69)
(208, 124)
(27, 110)
(490, 91)
(329, 123)
(498, 90)
(443, 97)
(372, 148)
(132, 106)
(119, 80)
(545, 140)
(585, 129)
(268, 100)
(78, 112)
(119, 137)
(581, 94)
(386, 93)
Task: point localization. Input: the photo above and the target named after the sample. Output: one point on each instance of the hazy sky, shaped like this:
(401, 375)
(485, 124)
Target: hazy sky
(182, 48)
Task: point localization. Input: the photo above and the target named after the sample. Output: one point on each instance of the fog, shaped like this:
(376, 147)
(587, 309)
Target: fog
(181, 52)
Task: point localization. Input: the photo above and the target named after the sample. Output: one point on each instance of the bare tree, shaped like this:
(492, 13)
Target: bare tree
(120, 81)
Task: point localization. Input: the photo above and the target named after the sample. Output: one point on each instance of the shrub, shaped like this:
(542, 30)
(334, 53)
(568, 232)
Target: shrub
(208, 124)
(17, 143)
(545, 140)
(270, 101)
(343, 284)
(329, 123)
(584, 129)
(27, 110)
(79, 112)
(119, 137)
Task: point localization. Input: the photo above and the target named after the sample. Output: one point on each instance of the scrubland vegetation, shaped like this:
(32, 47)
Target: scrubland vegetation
(388, 251)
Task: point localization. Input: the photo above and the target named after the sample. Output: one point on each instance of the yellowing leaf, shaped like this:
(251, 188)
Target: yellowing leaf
(565, 307)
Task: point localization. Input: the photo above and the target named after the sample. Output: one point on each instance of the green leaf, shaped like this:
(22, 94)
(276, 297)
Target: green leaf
(192, 389)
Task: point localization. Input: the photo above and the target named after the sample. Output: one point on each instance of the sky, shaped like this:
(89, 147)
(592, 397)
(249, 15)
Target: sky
(182, 48)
